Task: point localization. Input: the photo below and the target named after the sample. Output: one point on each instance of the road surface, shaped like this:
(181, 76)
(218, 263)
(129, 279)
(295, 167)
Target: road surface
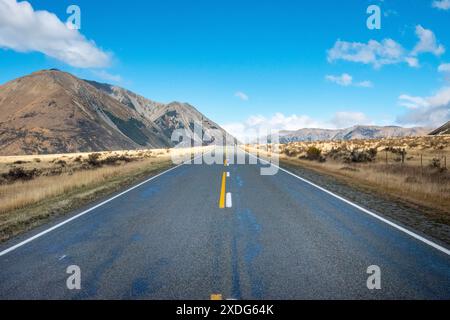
(277, 237)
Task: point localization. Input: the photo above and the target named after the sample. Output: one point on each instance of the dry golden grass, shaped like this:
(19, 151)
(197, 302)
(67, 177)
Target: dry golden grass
(23, 193)
(63, 186)
(420, 180)
(405, 183)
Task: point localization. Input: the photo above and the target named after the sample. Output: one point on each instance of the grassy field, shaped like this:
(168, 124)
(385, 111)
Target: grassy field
(414, 170)
(35, 189)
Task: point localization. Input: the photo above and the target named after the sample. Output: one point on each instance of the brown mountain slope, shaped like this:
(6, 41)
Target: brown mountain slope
(54, 112)
(168, 117)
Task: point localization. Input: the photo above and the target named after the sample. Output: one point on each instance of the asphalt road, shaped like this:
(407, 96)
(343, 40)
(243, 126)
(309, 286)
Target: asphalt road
(168, 239)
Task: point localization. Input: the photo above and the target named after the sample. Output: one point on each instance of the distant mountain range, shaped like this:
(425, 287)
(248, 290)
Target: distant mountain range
(55, 112)
(356, 132)
(51, 111)
(445, 129)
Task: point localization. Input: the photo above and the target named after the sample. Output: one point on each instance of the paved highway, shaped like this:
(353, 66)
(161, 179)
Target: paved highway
(179, 237)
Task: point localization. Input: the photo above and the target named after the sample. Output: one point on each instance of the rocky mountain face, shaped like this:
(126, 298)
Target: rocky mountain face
(55, 112)
(356, 132)
(445, 129)
(168, 117)
(307, 135)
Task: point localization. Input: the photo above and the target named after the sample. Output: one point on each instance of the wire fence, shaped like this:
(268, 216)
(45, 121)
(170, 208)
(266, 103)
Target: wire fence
(422, 160)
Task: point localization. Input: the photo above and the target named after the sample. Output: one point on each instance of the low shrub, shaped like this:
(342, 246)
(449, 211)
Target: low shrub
(363, 156)
(435, 163)
(19, 173)
(314, 154)
(94, 160)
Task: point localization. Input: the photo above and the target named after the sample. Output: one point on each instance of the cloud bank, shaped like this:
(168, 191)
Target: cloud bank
(444, 67)
(346, 80)
(346, 119)
(386, 52)
(427, 43)
(260, 126)
(430, 111)
(23, 29)
(441, 4)
(374, 53)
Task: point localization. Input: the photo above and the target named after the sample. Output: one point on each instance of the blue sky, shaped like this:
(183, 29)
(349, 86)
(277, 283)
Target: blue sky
(251, 63)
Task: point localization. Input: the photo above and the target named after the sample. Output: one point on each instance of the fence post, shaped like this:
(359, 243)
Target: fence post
(386, 156)
(421, 164)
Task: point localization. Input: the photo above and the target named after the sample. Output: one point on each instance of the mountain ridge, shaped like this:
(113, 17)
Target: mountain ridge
(352, 133)
(444, 129)
(51, 111)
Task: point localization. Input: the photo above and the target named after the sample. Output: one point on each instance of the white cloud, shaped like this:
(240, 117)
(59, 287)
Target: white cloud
(413, 103)
(445, 67)
(441, 4)
(346, 119)
(375, 53)
(427, 42)
(23, 29)
(346, 80)
(260, 126)
(426, 111)
(412, 62)
(106, 76)
(365, 84)
(387, 51)
(241, 96)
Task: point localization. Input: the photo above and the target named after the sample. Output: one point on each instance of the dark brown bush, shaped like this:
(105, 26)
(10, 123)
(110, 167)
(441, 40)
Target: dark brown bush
(94, 160)
(363, 156)
(20, 173)
(314, 153)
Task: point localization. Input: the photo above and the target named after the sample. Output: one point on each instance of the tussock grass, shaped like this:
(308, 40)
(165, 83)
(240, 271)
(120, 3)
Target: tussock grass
(430, 189)
(62, 183)
(423, 178)
(23, 193)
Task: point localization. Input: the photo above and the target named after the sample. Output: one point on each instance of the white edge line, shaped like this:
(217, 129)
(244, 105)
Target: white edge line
(20, 244)
(392, 224)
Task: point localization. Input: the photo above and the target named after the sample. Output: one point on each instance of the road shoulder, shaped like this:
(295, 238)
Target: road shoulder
(425, 221)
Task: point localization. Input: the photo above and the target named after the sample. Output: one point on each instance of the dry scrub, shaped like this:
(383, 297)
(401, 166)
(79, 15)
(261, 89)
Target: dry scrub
(414, 170)
(35, 189)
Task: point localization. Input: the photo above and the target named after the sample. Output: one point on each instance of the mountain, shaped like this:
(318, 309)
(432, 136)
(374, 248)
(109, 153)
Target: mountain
(307, 135)
(445, 129)
(376, 132)
(168, 117)
(356, 132)
(55, 112)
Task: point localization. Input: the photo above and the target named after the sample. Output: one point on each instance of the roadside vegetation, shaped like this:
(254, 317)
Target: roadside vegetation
(412, 170)
(35, 189)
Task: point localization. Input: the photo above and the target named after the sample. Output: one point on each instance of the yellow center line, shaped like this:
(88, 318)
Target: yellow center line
(222, 191)
(225, 157)
(216, 297)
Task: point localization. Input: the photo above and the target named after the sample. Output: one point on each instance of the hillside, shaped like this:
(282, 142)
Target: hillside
(55, 112)
(168, 117)
(445, 129)
(356, 132)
